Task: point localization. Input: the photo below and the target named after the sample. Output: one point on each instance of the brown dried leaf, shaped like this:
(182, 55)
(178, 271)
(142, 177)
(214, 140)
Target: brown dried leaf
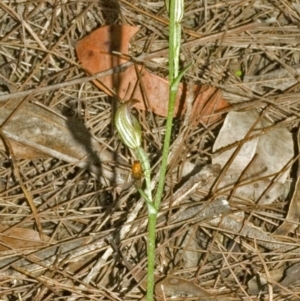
(20, 238)
(177, 286)
(95, 54)
(274, 150)
(95, 50)
(36, 132)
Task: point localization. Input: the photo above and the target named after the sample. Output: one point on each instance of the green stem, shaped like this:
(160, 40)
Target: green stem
(165, 153)
(174, 39)
(143, 158)
(152, 219)
(176, 12)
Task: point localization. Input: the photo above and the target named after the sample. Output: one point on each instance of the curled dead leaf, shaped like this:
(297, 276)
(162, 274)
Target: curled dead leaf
(95, 53)
(36, 132)
(20, 239)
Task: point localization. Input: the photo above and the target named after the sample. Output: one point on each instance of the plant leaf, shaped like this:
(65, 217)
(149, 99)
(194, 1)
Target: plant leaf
(95, 53)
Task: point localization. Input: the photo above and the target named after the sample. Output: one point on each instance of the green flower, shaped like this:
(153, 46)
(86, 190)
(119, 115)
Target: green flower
(127, 126)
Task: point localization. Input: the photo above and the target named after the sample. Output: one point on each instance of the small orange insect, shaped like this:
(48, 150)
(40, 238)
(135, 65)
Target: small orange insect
(137, 170)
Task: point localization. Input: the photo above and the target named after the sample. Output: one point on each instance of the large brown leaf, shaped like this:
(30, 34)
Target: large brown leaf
(35, 132)
(95, 53)
(20, 239)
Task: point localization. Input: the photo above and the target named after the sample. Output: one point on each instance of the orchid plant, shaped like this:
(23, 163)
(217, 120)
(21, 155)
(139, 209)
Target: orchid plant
(129, 131)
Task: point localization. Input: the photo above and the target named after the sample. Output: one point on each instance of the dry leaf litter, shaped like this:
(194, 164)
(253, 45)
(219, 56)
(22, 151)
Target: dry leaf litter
(72, 225)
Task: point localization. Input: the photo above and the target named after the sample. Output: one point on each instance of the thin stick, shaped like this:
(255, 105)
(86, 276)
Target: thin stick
(65, 84)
